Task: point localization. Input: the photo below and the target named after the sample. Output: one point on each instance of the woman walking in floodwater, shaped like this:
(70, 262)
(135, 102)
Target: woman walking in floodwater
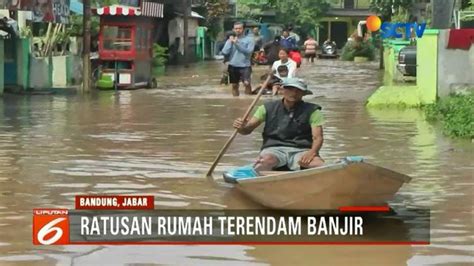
(310, 46)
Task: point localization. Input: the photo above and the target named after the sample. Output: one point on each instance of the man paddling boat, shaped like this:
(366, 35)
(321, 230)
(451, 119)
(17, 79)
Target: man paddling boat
(293, 133)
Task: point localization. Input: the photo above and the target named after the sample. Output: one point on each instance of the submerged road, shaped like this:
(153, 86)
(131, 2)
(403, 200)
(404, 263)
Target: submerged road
(161, 142)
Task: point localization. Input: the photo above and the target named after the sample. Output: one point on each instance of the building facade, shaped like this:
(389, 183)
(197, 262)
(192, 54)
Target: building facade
(341, 20)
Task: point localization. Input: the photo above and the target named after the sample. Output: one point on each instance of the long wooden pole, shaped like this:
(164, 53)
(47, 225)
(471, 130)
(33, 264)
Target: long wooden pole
(232, 137)
(86, 61)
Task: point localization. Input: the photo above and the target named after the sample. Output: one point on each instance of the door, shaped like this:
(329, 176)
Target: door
(339, 33)
(323, 32)
(10, 62)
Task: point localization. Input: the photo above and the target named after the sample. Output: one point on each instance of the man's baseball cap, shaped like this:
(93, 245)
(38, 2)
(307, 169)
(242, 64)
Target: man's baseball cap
(296, 83)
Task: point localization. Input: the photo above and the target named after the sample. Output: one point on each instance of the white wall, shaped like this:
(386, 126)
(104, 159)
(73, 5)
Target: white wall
(39, 73)
(455, 67)
(59, 71)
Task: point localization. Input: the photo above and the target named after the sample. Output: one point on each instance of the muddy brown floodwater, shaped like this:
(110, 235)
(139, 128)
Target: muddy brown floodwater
(161, 142)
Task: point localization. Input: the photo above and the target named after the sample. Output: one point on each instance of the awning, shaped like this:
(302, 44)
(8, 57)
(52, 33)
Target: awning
(118, 10)
(193, 15)
(148, 9)
(151, 9)
(196, 15)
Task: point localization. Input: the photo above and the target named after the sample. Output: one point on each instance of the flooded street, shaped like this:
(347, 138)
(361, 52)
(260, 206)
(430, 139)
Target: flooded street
(161, 142)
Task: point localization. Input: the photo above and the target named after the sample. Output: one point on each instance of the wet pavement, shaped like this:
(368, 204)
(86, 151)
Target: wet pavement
(161, 142)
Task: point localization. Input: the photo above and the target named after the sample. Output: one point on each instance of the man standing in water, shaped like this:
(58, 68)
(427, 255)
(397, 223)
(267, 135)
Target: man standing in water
(293, 133)
(240, 49)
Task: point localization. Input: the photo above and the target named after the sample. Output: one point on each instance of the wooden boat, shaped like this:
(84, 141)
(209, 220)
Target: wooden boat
(325, 188)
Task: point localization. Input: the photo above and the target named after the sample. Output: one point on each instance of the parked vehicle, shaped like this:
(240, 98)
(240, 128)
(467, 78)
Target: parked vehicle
(328, 50)
(407, 61)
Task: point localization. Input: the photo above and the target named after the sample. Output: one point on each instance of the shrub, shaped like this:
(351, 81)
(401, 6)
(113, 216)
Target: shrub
(358, 48)
(160, 55)
(456, 113)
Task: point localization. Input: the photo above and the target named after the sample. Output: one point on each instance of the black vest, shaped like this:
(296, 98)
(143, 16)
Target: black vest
(288, 128)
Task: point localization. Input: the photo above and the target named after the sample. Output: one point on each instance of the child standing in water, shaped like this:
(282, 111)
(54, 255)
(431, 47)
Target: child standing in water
(275, 80)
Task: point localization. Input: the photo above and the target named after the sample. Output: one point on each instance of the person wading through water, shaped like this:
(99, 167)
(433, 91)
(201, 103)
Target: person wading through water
(293, 133)
(310, 47)
(271, 50)
(240, 49)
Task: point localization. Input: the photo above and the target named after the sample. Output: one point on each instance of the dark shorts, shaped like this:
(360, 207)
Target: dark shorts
(237, 74)
(309, 55)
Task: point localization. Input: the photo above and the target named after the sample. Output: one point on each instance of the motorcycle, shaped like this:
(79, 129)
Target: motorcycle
(328, 50)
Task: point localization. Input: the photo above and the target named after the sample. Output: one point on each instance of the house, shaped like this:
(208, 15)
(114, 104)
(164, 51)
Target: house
(341, 20)
(35, 62)
(170, 29)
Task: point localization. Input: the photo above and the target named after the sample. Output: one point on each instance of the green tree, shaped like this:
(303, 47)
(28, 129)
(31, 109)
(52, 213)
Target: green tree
(253, 8)
(467, 5)
(75, 25)
(214, 11)
(305, 13)
(97, 3)
(300, 12)
(387, 8)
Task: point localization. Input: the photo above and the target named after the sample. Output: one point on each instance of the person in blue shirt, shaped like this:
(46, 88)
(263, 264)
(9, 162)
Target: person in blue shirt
(239, 48)
(288, 42)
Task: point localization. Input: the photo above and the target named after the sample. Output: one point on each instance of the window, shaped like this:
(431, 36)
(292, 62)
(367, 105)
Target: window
(117, 38)
(348, 4)
(363, 4)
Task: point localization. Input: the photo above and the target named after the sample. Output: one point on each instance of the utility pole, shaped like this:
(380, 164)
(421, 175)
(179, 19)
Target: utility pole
(86, 61)
(187, 12)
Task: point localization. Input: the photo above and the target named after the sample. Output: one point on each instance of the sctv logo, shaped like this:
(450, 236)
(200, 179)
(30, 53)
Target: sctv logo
(390, 30)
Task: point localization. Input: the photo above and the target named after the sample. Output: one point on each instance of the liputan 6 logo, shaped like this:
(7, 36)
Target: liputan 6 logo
(50, 227)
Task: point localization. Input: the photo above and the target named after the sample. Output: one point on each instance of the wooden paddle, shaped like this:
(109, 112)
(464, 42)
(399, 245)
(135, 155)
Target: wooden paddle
(232, 137)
